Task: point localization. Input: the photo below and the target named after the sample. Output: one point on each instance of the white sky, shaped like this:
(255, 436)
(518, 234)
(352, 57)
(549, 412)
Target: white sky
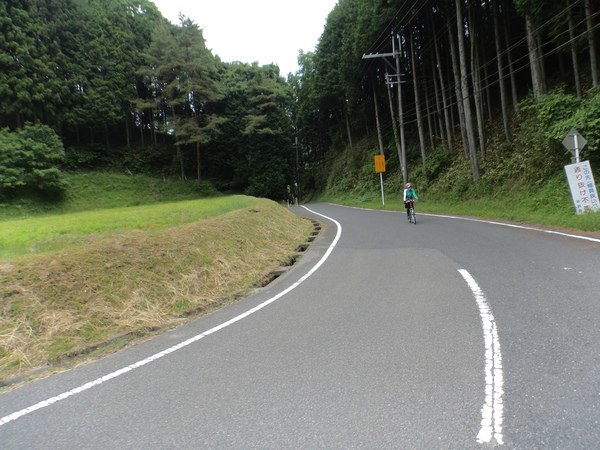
(266, 31)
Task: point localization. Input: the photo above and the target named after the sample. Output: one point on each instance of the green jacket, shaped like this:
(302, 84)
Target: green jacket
(410, 194)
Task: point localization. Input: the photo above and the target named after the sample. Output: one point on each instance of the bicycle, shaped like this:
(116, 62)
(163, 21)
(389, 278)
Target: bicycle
(411, 212)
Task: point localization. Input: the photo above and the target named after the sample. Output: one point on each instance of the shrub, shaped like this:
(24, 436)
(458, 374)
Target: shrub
(31, 160)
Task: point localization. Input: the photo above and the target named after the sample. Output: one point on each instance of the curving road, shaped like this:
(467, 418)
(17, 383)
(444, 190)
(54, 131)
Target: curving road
(452, 333)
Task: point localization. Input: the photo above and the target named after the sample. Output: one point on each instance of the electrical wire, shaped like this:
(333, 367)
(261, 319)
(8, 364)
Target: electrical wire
(409, 13)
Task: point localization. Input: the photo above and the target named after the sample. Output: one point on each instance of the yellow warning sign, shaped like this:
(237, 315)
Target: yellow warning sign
(379, 163)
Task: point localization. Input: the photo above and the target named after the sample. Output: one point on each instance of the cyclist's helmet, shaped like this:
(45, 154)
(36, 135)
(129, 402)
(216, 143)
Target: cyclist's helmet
(408, 185)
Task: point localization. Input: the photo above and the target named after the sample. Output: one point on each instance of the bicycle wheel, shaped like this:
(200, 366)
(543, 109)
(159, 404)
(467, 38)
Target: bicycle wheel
(413, 218)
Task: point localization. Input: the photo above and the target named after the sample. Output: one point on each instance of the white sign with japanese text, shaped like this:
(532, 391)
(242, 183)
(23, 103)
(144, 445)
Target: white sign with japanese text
(583, 187)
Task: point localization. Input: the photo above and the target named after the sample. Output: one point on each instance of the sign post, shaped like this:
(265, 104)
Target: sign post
(579, 175)
(574, 143)
(380, 168)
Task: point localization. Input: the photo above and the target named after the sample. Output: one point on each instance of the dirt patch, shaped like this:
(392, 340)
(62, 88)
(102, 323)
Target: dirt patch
(7, 268)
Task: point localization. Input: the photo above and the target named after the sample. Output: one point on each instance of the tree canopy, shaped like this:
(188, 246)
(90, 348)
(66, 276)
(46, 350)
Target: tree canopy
(124, 88)
(461, 65)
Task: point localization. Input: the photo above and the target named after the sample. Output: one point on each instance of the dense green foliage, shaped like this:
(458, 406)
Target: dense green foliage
(128, 91)
(30, 161)
(556, 113)
(254, 150)
(517, 118)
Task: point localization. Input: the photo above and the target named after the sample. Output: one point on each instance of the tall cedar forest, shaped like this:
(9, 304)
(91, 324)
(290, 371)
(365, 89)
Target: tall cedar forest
(112, 85)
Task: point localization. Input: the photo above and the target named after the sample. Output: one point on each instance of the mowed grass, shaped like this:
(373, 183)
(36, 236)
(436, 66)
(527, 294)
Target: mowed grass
(58, 232)
(72, 283)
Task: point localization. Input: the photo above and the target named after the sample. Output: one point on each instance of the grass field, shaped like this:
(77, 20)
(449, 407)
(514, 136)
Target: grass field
(80, 281)
(52, 233)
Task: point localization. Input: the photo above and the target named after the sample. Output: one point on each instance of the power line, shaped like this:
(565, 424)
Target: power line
(411, 14)
(517, 64)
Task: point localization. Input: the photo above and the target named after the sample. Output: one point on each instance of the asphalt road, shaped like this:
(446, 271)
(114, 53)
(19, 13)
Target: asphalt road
(451, 333)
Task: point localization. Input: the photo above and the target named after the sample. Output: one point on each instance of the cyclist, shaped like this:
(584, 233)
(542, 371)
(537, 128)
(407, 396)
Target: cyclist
(409, 196)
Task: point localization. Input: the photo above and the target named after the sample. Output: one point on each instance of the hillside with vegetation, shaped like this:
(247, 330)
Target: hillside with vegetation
(112, 85)
(488, 92)
(433, 85)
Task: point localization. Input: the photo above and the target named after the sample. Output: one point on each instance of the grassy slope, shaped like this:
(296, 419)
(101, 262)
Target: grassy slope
(116, 272)
(102, 190)
(513, 196)
(55, 232)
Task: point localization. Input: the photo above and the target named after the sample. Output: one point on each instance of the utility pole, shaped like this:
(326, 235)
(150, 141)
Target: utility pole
(297, 190)
(377, 122)
(390, 81)
(400, 108)
(394, 127)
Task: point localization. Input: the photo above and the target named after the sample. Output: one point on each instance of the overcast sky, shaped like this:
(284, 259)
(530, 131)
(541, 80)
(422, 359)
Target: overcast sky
(267, 31)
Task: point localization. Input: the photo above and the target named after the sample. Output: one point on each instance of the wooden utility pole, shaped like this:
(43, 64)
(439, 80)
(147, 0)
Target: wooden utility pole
(394, 127)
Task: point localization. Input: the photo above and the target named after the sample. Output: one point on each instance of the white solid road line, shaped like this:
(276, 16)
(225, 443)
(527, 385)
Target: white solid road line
(493, 407)
(514, 225)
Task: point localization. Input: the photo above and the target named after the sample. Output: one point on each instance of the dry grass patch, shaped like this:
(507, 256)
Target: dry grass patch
(59, 305)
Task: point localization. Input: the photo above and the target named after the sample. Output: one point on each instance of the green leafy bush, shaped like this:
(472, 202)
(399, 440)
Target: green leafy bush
(538, 153)
(31, 160)
(585, 119)
(544, 123)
